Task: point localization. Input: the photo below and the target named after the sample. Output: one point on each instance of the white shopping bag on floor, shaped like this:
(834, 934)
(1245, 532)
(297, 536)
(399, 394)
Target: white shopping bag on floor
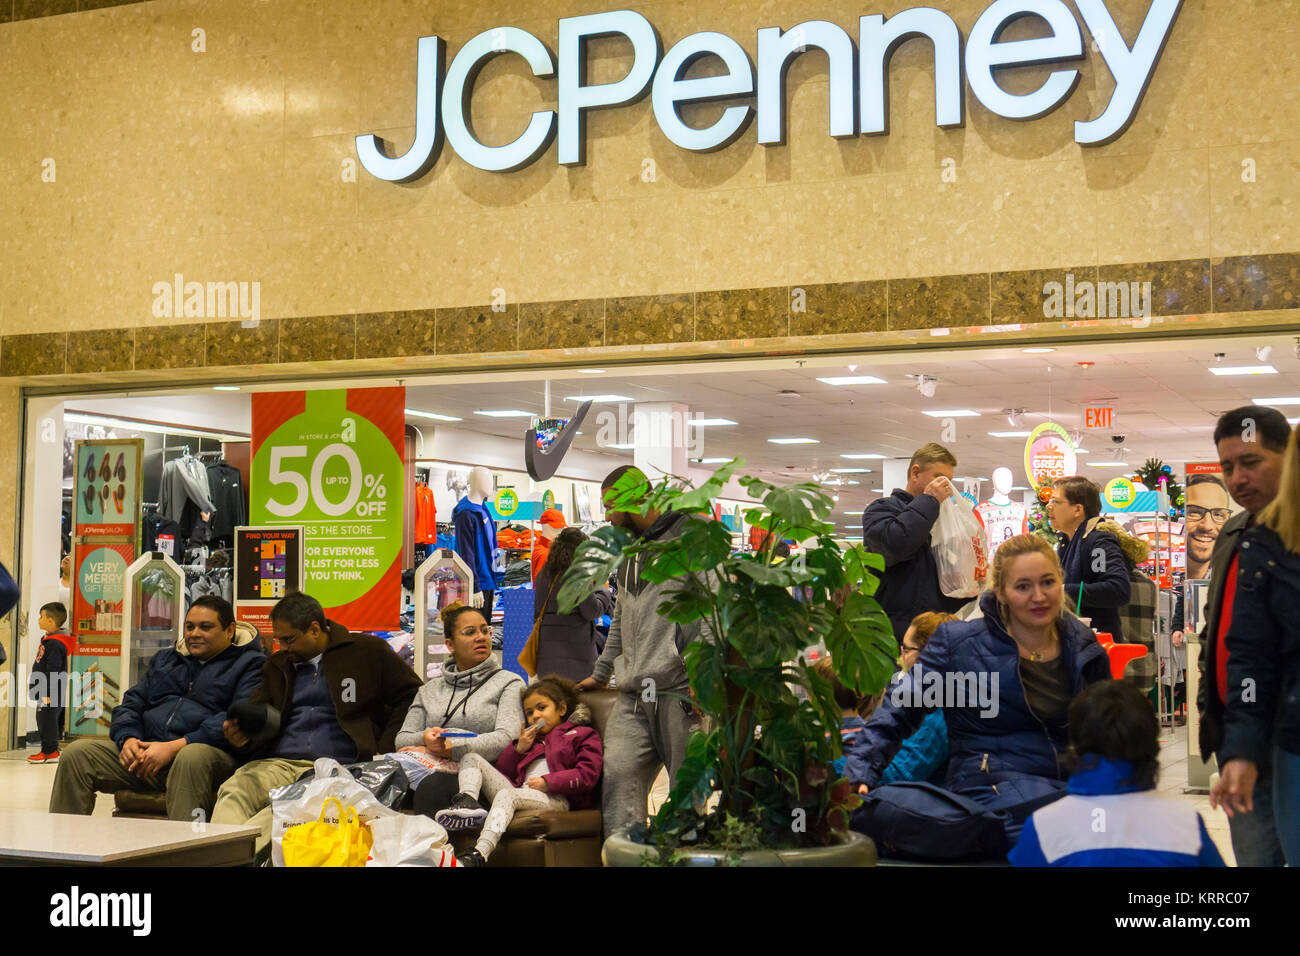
(406, 840)
(302, 800)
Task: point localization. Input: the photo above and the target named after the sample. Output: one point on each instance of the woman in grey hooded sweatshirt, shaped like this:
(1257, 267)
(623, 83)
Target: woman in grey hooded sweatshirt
(474, 694)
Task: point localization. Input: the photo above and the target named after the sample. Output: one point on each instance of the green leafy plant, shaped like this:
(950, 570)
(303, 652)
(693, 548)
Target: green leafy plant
(758, 773)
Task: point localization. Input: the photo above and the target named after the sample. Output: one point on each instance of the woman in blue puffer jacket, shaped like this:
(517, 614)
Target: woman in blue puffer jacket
(1004, 684)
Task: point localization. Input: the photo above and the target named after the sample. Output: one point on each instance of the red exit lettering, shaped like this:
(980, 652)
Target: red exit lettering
(1099, 418)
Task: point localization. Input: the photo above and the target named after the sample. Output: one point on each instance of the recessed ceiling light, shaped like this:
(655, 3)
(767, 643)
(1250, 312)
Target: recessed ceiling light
(851, 471)
(415, 413)
(504, 413)
(853, 481)
(599, 399)
(952, 413)
(852, 380)
(225, 388)
(1108, 464)
(591, 371)
(795, 441)
(1082, 451)
(711, 461)
(879, 490)
(850, 512)
(1037, 351)
(1276, 401)
(1293, 421)
(625, 447)
(1244, 370)
(711, 421)
(1010, 434)
(861, 457)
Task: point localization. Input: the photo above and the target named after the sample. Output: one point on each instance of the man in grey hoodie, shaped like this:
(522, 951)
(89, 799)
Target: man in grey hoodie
(652, 719)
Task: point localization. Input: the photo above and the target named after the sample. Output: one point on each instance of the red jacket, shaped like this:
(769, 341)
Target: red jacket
(574, 756)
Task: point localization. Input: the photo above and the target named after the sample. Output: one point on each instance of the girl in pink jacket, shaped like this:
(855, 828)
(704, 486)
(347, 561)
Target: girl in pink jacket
(554, 764)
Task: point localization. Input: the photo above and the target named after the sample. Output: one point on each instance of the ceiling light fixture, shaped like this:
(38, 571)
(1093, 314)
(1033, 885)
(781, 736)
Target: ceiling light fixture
(1244, 370)
(225, 388)
(861, 457)
(416, 413)
(794, 441)
(852, 380)
(1107, 464)
(851, 471)
(707, 422)
(1294, 400)
(599, 399)
(504, 413)
(628, 446)
(952, 413)
(1021, 434)
(591, 371)
(1037, 351)
(711, 461)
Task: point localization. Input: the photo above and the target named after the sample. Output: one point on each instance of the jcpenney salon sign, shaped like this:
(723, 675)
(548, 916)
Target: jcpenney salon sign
(859, 90)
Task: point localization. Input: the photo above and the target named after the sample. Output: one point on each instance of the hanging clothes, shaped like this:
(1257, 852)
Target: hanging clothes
(184, 480)
(426, 515)
(476, 543)
(226, 489)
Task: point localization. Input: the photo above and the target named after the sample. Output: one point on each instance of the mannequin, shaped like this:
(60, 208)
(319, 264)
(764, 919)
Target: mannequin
(549, 526)
(1001, 517)
(476, 538)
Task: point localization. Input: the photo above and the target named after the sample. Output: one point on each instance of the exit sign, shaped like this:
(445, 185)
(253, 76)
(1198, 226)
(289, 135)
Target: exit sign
(1102, 416)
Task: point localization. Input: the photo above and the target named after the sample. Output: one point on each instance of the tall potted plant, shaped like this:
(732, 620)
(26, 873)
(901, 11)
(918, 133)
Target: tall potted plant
(756, 784)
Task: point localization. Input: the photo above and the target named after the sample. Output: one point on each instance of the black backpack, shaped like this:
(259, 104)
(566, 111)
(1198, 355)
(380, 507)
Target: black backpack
(919, 821)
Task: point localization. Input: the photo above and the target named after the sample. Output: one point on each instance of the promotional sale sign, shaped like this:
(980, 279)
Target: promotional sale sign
(106, 498)
(1049, 454)
(331, 462)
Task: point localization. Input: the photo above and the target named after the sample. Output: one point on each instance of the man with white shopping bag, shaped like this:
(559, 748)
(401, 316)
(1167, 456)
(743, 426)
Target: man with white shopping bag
(898, 528)
(326, 693)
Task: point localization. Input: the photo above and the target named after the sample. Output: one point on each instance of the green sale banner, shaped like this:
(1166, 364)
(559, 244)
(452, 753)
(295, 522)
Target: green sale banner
(331, 461)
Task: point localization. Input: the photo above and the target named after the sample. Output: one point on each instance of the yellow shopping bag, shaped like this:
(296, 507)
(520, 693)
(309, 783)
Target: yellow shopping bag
(326, 844)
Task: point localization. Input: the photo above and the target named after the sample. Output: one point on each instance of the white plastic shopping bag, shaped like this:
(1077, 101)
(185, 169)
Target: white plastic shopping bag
(301, 802)
(405, 840)
(957, 540)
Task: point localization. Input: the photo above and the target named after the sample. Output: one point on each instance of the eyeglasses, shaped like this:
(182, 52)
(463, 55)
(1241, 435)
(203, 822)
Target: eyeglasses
(1217, 515)
(485, 630)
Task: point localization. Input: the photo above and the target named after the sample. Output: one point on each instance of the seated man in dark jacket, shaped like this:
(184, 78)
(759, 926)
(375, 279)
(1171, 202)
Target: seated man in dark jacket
(898, 528)
(166, 734)
(326, 693)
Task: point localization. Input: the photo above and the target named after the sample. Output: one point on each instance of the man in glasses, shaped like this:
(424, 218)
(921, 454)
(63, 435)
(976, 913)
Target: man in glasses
(1208, 509)
(325, 693)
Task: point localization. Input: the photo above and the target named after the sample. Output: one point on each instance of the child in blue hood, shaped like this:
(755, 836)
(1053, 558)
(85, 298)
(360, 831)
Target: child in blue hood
(1113, 815)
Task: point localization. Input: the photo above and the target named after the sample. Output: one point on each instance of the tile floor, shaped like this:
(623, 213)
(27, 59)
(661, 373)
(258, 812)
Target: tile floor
(25, 787)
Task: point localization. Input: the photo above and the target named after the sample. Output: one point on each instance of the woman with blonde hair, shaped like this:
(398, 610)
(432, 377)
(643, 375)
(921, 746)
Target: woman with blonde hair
(1262, 718)
(1004, 683)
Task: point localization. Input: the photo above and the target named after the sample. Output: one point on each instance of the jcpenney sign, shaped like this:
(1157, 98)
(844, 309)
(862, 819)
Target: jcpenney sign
(859, 79)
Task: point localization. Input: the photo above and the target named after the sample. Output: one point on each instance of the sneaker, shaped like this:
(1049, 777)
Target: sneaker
(52, 758)
(472, 858)
(37, 758)
(463, 813)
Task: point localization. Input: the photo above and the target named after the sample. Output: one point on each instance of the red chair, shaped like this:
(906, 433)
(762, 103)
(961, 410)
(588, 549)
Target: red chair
(1119, 654)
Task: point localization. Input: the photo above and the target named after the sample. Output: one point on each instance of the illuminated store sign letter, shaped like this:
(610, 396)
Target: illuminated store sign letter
(878, 38)
(1132, 69)
(576, 97)
(460, 84)
(984, 53)
(419, 159)
(670, 89)
(777, 49)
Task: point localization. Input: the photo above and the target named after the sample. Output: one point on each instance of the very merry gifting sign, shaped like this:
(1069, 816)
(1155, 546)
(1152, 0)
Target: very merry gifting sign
(331, 462)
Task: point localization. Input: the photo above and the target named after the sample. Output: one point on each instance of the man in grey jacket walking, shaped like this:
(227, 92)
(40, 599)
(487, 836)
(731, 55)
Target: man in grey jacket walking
(652, 719)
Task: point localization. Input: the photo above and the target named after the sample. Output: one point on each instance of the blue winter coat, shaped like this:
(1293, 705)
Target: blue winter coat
(1140, 827)
(1263, 645)
(180, 697)
(476, 541)
(986, 751)
(1094, 564)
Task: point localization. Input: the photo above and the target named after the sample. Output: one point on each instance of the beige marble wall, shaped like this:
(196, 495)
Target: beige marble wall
(228, 164)
(10, 455)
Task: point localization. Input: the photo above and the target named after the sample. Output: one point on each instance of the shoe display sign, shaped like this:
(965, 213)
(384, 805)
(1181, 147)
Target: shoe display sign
(106, 498)
(331, 461)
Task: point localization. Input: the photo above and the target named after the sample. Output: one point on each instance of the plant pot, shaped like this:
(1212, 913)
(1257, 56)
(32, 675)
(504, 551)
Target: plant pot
(849, 849)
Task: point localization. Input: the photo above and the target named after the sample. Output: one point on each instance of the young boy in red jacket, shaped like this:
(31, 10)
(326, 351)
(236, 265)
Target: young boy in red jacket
(49, 682)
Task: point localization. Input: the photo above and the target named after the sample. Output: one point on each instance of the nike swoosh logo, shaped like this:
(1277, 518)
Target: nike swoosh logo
(543, 464)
